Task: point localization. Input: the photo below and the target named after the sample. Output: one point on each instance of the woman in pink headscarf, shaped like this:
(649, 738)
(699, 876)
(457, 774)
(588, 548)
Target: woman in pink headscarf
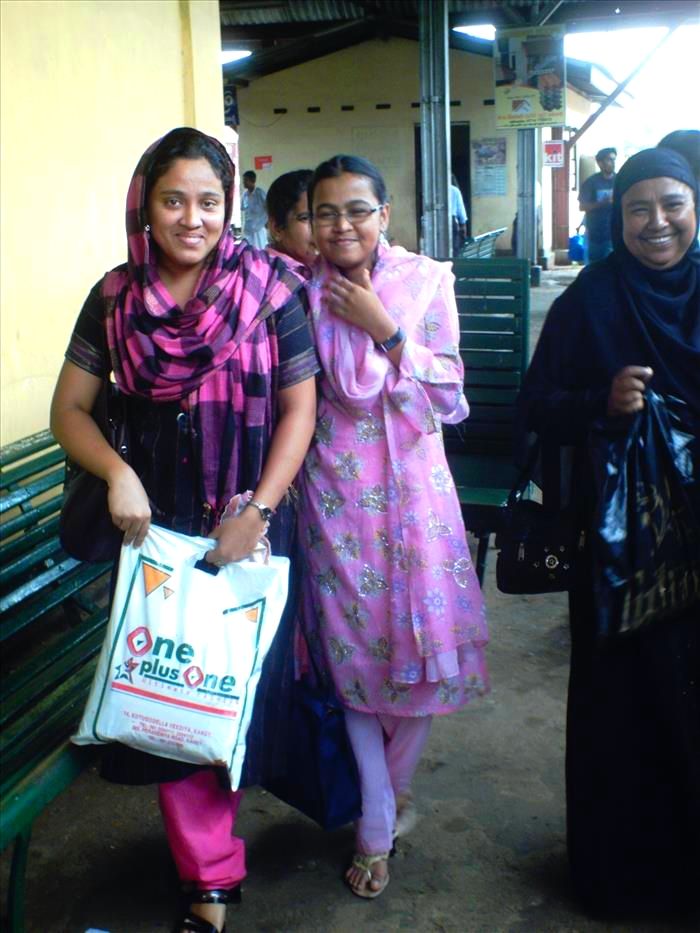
(208, 342)
(390, 591)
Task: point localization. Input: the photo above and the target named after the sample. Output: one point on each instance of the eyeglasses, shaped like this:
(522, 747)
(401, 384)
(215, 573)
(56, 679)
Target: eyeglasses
(327, 216)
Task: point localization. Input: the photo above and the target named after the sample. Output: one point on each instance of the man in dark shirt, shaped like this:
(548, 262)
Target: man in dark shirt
(595, 198)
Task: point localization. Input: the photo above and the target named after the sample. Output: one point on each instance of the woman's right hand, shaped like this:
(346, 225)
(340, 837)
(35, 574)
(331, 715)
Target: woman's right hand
(627, 390)
(128, 505)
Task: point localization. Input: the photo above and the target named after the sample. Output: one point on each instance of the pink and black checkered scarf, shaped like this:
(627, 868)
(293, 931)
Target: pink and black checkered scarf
(218, 355)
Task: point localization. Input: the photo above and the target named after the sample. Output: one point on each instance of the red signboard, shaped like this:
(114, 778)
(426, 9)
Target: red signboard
(262, 162)
(553, 154)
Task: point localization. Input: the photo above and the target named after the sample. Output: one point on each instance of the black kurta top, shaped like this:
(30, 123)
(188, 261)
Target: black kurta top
(164, 453)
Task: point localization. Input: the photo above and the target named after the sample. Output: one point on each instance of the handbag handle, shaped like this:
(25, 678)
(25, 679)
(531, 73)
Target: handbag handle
(261, 548)
(524, 478)
(550, 482)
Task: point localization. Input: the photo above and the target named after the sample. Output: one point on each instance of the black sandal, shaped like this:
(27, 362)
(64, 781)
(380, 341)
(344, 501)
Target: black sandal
(196, 924)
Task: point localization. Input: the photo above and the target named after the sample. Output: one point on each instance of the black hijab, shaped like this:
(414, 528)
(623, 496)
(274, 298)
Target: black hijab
(664, 303)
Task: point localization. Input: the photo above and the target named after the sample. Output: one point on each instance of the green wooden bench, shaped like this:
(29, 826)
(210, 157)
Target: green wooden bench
(482, 246)
(493, 300)
(53, 613)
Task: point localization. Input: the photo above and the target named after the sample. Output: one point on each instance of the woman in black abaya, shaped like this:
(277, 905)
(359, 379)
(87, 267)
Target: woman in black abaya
(629, 321)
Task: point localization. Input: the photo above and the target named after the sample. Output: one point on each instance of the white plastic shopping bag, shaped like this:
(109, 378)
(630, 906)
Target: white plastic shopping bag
(184, 648)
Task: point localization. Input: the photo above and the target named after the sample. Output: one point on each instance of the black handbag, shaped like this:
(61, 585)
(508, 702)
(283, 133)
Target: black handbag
(537, 546)
(321, 780)
(85, 527)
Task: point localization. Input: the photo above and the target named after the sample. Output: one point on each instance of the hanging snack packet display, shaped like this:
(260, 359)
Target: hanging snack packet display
(183, 653)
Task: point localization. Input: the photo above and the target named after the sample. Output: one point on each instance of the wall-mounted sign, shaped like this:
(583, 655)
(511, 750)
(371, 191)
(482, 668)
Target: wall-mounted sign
(553, 153)
(489, 161)
(530, 77)
(262, 162)
(230, 104)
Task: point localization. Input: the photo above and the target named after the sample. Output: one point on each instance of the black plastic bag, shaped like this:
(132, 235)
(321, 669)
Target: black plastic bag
(646, 532)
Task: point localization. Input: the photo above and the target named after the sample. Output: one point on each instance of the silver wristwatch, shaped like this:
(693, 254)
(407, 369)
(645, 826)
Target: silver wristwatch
(266, 512)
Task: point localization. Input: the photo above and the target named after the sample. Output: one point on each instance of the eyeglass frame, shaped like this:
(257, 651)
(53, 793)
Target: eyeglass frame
(339, 214)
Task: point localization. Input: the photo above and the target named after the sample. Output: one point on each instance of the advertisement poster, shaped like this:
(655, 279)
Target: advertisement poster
(489, 161)
(530, 77)
(553, 153)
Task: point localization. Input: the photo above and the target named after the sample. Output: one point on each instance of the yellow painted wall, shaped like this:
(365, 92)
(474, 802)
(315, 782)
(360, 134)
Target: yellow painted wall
(86, 86)
(365, 75)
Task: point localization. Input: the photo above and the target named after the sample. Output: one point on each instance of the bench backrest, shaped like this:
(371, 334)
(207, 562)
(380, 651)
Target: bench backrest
(482, 246)
(493, 301)
(53, 609)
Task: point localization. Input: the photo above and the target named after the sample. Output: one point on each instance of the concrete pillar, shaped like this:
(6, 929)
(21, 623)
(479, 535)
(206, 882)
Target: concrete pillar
(435, 127)
(527, 209)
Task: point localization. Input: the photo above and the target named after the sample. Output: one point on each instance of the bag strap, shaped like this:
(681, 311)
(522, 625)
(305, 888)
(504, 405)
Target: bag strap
(551, 479)
(525, 476)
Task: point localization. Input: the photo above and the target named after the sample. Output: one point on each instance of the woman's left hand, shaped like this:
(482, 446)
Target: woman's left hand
(236, 537)
(358, 304)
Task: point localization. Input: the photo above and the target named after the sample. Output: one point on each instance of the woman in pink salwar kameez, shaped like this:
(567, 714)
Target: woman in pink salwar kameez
(390, 593)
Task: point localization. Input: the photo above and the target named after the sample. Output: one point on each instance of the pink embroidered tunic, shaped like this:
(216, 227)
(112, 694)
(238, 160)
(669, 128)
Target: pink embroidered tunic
(390, 589)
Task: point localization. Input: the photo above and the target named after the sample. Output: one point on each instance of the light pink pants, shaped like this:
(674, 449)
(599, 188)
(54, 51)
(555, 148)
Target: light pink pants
(387, 750)
(199, 815)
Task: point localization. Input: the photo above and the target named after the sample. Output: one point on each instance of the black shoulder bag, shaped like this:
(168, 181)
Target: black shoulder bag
(86, 529)
(537, 545)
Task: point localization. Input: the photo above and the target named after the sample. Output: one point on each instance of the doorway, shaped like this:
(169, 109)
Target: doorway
(460, 157)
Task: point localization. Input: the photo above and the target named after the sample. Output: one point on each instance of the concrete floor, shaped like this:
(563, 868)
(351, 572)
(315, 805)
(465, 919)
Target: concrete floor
(488, 855)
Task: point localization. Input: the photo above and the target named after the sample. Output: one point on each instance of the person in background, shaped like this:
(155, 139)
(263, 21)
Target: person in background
(595, 199)
(289, 221)
(253, 206)
(209, 343)
(458, 214)
(633, 718)
(687, 144)
(390, 596)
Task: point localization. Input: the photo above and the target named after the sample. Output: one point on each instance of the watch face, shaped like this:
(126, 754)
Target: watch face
(266, 513)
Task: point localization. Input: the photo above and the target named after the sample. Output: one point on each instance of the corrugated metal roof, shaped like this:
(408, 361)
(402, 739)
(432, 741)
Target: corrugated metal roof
(300, 11)
(269, 12)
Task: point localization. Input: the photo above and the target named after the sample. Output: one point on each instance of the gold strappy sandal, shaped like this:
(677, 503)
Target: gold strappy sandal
(365, 863)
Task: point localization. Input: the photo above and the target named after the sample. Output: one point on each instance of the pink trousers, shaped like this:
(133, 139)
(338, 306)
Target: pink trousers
(199, 815)
(387, 750)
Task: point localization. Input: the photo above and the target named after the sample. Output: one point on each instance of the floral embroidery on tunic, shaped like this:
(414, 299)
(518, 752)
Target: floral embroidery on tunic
(369, 429)
(355, 692)
(347, 546)
(395, 693)
(380, 649)
(436, 527)
(381, 541)
(371, 583)
(441, 478)
(340, 650)
(356, 616)
(460, 570)
(313, 536)
(331, 502)
(325, 431)
(448, 692)
(328, 581)
(373, 499)
(348, 466)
